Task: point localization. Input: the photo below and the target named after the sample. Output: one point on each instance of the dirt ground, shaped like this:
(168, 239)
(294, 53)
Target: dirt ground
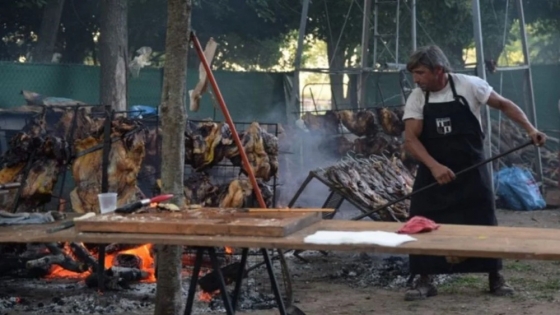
(332, 284)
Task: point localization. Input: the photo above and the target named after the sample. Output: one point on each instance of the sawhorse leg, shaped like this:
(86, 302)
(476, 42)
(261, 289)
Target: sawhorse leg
(230, 304)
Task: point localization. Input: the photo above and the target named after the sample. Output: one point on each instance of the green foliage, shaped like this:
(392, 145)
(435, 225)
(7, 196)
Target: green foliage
(255, 34)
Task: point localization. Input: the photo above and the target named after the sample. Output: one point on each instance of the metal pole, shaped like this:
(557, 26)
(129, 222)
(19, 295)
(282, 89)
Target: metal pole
(397, 32)
(397, 43)
(529, 92)
(413, 16)
(364, 54)
(481, 70)
(297, 61)
(375, 32)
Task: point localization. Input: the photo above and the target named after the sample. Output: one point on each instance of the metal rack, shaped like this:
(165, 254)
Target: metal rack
(51, 116)
(334, 199)
(224, 172)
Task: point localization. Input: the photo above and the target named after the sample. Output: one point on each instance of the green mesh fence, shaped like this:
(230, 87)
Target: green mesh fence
(249, 95)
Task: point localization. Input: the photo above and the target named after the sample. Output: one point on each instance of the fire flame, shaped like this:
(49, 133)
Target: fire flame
(142, 251)
(206, 296)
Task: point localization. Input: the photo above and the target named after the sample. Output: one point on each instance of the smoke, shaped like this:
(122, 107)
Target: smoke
(302, 152)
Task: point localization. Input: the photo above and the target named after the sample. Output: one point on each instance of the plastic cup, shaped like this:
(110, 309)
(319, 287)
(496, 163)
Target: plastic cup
(107, 202)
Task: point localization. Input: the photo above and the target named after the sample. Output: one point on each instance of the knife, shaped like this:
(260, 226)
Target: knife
(131, 207)
(285, 210)
(70, 223)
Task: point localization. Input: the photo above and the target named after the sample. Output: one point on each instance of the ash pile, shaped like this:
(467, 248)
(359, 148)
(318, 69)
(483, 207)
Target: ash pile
(39, 296)
(387, 272)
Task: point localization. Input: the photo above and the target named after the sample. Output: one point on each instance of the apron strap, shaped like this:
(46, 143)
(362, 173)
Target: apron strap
(457, 97)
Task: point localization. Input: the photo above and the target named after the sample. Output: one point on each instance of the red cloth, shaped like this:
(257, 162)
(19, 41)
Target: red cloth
(418, 224)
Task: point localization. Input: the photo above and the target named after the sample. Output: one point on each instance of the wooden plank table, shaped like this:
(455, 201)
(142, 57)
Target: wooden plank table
(204, 221)
(448, 240)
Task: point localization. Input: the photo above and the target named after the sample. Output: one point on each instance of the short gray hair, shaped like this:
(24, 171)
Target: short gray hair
(429, 56)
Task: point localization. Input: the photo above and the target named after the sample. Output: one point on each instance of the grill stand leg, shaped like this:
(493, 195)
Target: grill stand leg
(240, 275)
(194, 280)
(223, 289)
(229, 304)
(273, 282)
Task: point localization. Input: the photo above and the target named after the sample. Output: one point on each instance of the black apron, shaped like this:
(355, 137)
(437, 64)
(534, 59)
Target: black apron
(452, 136)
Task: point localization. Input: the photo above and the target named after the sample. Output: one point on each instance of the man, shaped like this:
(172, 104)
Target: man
(443, 131)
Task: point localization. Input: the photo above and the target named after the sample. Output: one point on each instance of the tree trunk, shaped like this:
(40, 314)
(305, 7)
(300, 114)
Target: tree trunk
(48, 32)
(173, 117)
(337, 83)
(113, 53)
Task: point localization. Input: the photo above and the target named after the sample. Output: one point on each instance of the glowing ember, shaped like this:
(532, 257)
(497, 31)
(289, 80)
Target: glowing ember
(207, 297)
(228, 250)
(143, 252)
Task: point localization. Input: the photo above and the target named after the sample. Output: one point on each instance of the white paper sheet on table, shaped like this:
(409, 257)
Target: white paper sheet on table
(367, 237)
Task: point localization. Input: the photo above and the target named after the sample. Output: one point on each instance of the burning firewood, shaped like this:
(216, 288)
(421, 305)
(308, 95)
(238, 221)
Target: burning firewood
(83, 255)
(117, 278)
(114, 248)
(210, 282)
(57, 257)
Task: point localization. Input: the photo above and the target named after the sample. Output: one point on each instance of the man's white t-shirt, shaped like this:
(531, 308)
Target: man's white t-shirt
(474, 89)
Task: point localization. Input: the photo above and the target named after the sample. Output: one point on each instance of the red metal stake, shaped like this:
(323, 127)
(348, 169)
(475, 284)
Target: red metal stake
(229, 121)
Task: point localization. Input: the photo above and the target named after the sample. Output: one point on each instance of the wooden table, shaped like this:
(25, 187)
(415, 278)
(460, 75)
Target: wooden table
(448, 240)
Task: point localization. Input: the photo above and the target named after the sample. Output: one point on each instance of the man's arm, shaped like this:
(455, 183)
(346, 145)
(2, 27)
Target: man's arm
(412, 130)
(513, 112)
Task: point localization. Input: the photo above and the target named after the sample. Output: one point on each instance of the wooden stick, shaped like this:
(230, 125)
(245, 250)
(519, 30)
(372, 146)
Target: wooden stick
(261, 210)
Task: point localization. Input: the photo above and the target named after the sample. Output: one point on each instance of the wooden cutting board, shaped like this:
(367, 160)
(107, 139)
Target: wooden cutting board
(203, 221)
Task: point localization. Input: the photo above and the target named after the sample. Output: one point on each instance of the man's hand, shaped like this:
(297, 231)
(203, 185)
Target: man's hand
(442, 174)
(539, 138)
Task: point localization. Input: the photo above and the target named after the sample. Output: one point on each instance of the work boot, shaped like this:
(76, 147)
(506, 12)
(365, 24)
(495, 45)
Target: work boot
(498, 285)
(422, 289)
